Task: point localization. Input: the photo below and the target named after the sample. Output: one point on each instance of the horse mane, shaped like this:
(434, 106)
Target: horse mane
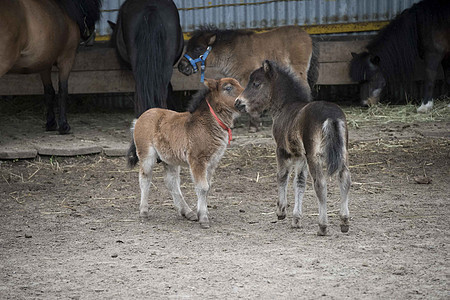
(84, 12)
(287, 82)
(222, 35)
(197, 99)
(398, 45)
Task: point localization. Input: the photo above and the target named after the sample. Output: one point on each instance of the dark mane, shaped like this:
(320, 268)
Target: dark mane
(197, 99)
(398, 45)
(288, 82)
(84, 12)
(359, 67)
(223, 35)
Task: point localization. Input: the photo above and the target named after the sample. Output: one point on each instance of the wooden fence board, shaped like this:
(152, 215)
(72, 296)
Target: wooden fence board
(97, 70)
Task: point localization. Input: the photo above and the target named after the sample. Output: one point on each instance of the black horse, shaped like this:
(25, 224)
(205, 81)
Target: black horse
(149, 40)
(36, 35)
(420, 32)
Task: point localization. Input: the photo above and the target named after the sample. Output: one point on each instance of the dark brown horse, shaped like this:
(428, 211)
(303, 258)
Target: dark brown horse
(309, 136)
(238, 52)
(37, 34)
(419, 32)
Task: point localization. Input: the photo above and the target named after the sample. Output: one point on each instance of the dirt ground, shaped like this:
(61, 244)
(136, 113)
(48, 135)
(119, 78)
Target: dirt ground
(70, 226)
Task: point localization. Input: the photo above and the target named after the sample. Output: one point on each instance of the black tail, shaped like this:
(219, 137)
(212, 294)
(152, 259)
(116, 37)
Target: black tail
(132, 155)
(313, 71)
(151, 79)
(334, 144)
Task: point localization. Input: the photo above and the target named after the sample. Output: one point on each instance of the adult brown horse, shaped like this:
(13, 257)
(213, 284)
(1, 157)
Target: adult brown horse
(37, 34)
(237, 53)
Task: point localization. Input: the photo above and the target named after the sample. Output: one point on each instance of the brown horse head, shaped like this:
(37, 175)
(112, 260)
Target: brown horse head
(223, 93)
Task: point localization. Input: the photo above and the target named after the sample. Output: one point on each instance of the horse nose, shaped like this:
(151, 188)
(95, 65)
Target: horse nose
(184, 67)
(239, 105)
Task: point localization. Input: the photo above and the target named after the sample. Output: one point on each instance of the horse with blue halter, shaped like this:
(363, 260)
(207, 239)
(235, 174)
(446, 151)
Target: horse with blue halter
(420, 32)
(236, 53)
(149, 41)
(37, 34)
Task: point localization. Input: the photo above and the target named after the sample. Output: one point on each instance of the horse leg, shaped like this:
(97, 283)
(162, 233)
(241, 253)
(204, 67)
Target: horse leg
(320, 187)
(446, 66)
(64, 64)
(344, 186)
(63, 126)
(145, 180)
(49, 96)
(198, 171)
(301, 173)
(172, 180)
(284, 169)
(253, 124)
(432, 61)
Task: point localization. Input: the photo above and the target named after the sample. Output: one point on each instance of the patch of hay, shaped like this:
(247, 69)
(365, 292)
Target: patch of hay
(386, 113)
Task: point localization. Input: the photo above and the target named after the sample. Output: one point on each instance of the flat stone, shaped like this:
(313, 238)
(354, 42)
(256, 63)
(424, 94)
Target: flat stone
(68, 149)
(17, 153)
(116, 149)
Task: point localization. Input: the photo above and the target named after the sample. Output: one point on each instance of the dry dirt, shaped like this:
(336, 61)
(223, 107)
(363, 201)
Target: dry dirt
(70, 227)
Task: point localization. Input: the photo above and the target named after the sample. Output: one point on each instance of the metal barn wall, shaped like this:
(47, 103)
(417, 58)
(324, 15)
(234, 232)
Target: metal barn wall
(344, 15)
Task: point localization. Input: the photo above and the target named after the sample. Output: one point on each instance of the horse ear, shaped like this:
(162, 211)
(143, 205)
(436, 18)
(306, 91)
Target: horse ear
(354, 54)
(112, 25)
(212, 39)
(211, 84)
(267, 67)
(375, 60)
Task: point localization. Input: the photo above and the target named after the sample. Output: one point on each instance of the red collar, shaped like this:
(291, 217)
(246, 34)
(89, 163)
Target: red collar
(225, 127)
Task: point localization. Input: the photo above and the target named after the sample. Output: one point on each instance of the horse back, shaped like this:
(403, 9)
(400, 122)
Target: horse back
(288, 45)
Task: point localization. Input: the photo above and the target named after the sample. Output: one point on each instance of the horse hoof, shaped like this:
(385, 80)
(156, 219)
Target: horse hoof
(425, 108)
(296, 223)
(322, 230)
(204, 225)
(344, 228)
(64, 128)
(144, 214)
(51, 126)
(191, 216)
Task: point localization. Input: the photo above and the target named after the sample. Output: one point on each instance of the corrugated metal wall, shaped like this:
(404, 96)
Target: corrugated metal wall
(260, 14)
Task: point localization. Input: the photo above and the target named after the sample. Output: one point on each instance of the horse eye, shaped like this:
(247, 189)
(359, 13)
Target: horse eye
(256, 84)
(228, 88)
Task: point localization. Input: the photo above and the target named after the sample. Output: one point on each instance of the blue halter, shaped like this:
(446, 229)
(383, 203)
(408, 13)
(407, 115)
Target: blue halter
(202, 59)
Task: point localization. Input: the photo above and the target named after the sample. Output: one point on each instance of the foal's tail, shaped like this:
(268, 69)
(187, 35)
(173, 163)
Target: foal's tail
(334, 144)
(131, 153)
(151, 79)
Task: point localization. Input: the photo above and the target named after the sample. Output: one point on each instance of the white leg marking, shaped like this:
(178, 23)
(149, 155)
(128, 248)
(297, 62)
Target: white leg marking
(301, 174)
(344, 186)
(145, 179)
(424, 108)
(172, 180)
